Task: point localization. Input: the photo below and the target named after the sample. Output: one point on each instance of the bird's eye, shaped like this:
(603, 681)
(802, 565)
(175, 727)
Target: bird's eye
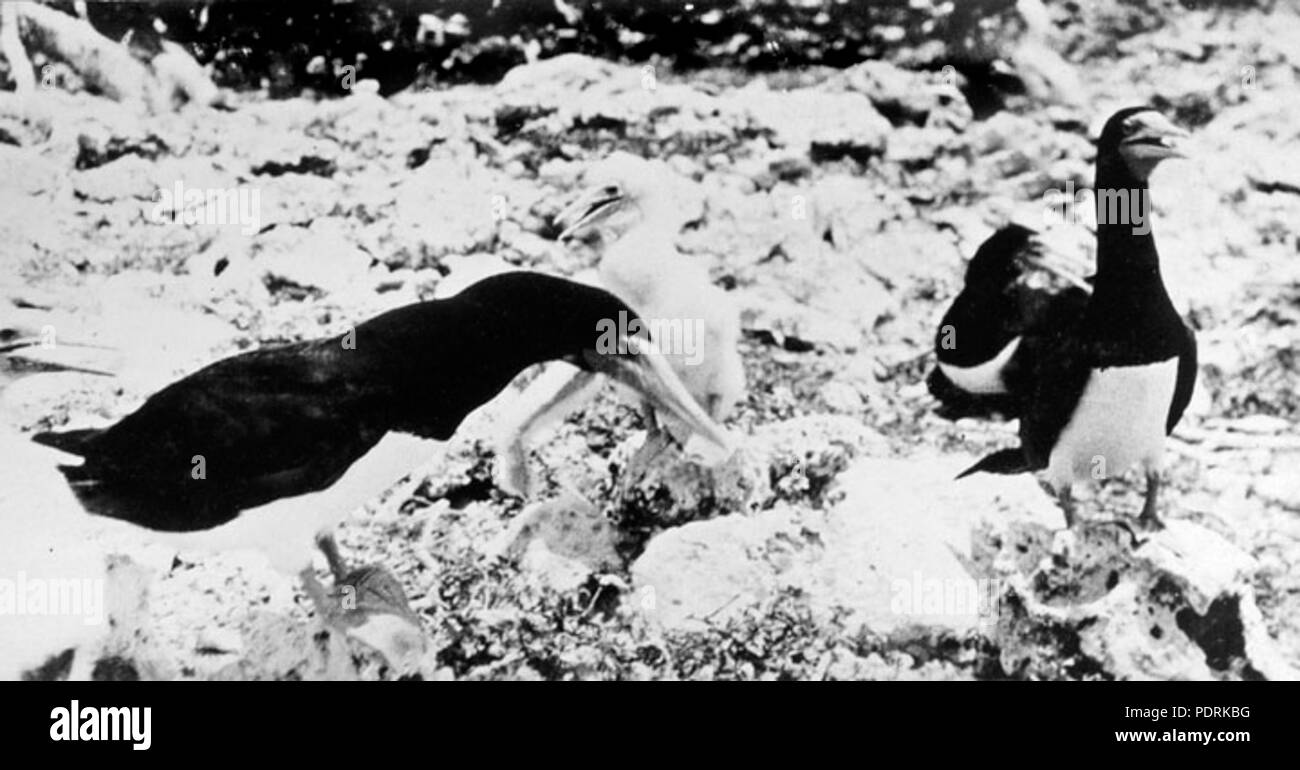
(612, 190)
(8, 334)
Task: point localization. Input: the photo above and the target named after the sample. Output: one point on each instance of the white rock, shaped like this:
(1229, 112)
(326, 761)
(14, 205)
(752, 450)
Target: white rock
(908, 551)
(705, 573)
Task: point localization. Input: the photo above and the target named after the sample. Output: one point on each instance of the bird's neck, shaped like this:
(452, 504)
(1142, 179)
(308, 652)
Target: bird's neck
(661, 212)
(446, 358)
(636, 261)
(1129, 295)
(658, 227)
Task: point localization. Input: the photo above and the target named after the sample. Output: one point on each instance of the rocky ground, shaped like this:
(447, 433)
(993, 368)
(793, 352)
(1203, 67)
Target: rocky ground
(838, 207)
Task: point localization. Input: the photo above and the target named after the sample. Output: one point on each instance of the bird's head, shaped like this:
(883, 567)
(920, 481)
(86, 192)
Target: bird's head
(620, 192)
(545, 318)
(1141, 137)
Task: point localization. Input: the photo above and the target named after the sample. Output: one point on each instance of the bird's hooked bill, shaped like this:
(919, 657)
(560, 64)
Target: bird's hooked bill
(589, 207)
(29, 324)
(38, 350)
(1155, 135)
(647, 371)
(20, 342)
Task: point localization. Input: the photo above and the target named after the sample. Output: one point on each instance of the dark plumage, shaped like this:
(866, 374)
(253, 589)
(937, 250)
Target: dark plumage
(290, 420)
(978, 342)
(1102, 394)
(291, 438)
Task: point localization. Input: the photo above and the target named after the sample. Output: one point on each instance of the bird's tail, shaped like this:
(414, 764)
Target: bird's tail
(70, 441)
(1003, 461)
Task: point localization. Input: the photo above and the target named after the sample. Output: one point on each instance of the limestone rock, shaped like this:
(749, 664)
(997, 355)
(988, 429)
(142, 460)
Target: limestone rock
(906, 552)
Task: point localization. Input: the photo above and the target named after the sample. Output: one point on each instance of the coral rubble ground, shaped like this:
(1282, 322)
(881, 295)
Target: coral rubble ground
(837, 206)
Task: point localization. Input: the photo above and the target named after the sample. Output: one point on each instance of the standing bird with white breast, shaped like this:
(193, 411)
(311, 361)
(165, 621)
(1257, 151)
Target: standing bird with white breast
(1103, 394)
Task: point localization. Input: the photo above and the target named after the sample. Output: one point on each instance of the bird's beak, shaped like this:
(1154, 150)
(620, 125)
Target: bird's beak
(646, 371)
(590, 207)
(35, 351)
(1156, 138)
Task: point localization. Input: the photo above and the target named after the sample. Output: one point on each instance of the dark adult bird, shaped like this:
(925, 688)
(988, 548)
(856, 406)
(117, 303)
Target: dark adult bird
(1012, 289)
(1105, 393)
(267, 448)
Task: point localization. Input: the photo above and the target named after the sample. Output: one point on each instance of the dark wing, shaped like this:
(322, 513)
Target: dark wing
(1045, 312)
(1043, 320)
(1050, 320)
(1047, 377)
(975, 328)
(239, 433)
(956, 403)
(1050, 379)
(1186, 380)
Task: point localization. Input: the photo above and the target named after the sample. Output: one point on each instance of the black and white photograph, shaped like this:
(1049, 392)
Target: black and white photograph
(557, 340)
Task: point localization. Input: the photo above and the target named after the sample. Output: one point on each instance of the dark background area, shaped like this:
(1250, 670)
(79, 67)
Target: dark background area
(273, 45)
